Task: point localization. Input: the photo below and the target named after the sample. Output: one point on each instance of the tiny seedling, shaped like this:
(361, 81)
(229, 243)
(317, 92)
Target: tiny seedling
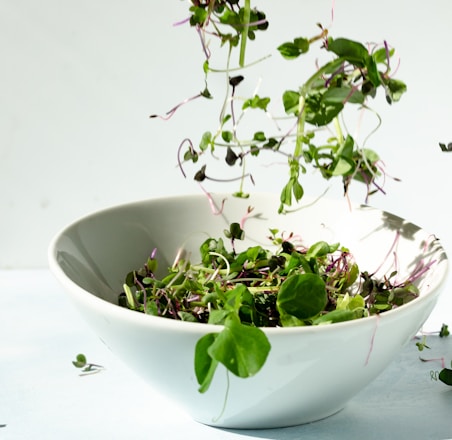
(86, 367)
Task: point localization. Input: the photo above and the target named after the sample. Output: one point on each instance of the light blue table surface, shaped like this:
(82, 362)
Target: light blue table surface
(42, 395)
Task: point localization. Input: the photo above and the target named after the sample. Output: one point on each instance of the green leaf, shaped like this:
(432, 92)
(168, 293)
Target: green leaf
(271, 143)
(302, 44)
(356, 303)
(212, 245)
(343, 167)
(352, 51)
(230, 17)
(302, 295)
(254, 252)
(352, 276)
(380, 55)
(152, 264)
(348, 302)
(444, 332)
(231, 158)
(205, 66)
(227, 135)
(286, 194)
(259, 136)
(445, 147)
(199, 16)
(256, 102)
(370, 155)
(206, 141)
(336, 316)
(342, 95)
(291, 101)
(152, 308)
(294, 49)
(130, 296)
(218, 317)
(319, 249)
(186, 316)
(237, 297)
(205, 365)
(80, 361)
(372, 71)
(320, 112)
(394, 90)
(235, 232)
(344, 162)
(289, 51)
(191, 155)
(291, 321)
(297, 190)
(242, 349)
(445, 376)
(297, 260)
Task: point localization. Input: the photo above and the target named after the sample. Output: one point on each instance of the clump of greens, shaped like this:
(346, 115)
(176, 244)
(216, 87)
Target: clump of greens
(314, 132)
(291, 285)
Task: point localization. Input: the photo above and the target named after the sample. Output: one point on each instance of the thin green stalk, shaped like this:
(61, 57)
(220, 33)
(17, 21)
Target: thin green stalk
(244, 35)
(338, 128)
(209, 270)
(300, 127)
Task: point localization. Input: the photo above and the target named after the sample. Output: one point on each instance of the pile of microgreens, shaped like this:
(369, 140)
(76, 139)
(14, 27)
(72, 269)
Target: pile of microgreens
(353, 74)
(291, 285)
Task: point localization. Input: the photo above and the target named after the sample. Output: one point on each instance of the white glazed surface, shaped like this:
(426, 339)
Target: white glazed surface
(311, 372)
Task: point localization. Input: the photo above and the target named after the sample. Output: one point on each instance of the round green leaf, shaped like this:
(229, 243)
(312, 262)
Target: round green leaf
(302, 295)
(205, 366)
(241, 348)
(445, 376)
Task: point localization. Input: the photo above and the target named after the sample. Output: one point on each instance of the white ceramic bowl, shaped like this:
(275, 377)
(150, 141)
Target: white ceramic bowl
(311, 372)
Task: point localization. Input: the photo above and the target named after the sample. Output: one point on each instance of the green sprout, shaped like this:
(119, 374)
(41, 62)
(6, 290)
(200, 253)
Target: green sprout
(444, 332)
(86, 367)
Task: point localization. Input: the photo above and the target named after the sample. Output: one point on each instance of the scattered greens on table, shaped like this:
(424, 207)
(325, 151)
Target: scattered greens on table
(445, 374)
(85, 366)
(243, 291)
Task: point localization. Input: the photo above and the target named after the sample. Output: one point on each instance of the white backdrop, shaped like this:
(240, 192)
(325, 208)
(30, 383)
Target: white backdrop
(78, 80)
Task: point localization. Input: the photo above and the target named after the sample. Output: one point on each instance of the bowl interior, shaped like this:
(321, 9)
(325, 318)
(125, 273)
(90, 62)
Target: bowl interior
(97, 251)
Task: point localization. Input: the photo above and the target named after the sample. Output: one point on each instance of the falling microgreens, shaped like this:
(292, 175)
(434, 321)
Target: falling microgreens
(351, 76)
(290, 285)
(86, 367)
